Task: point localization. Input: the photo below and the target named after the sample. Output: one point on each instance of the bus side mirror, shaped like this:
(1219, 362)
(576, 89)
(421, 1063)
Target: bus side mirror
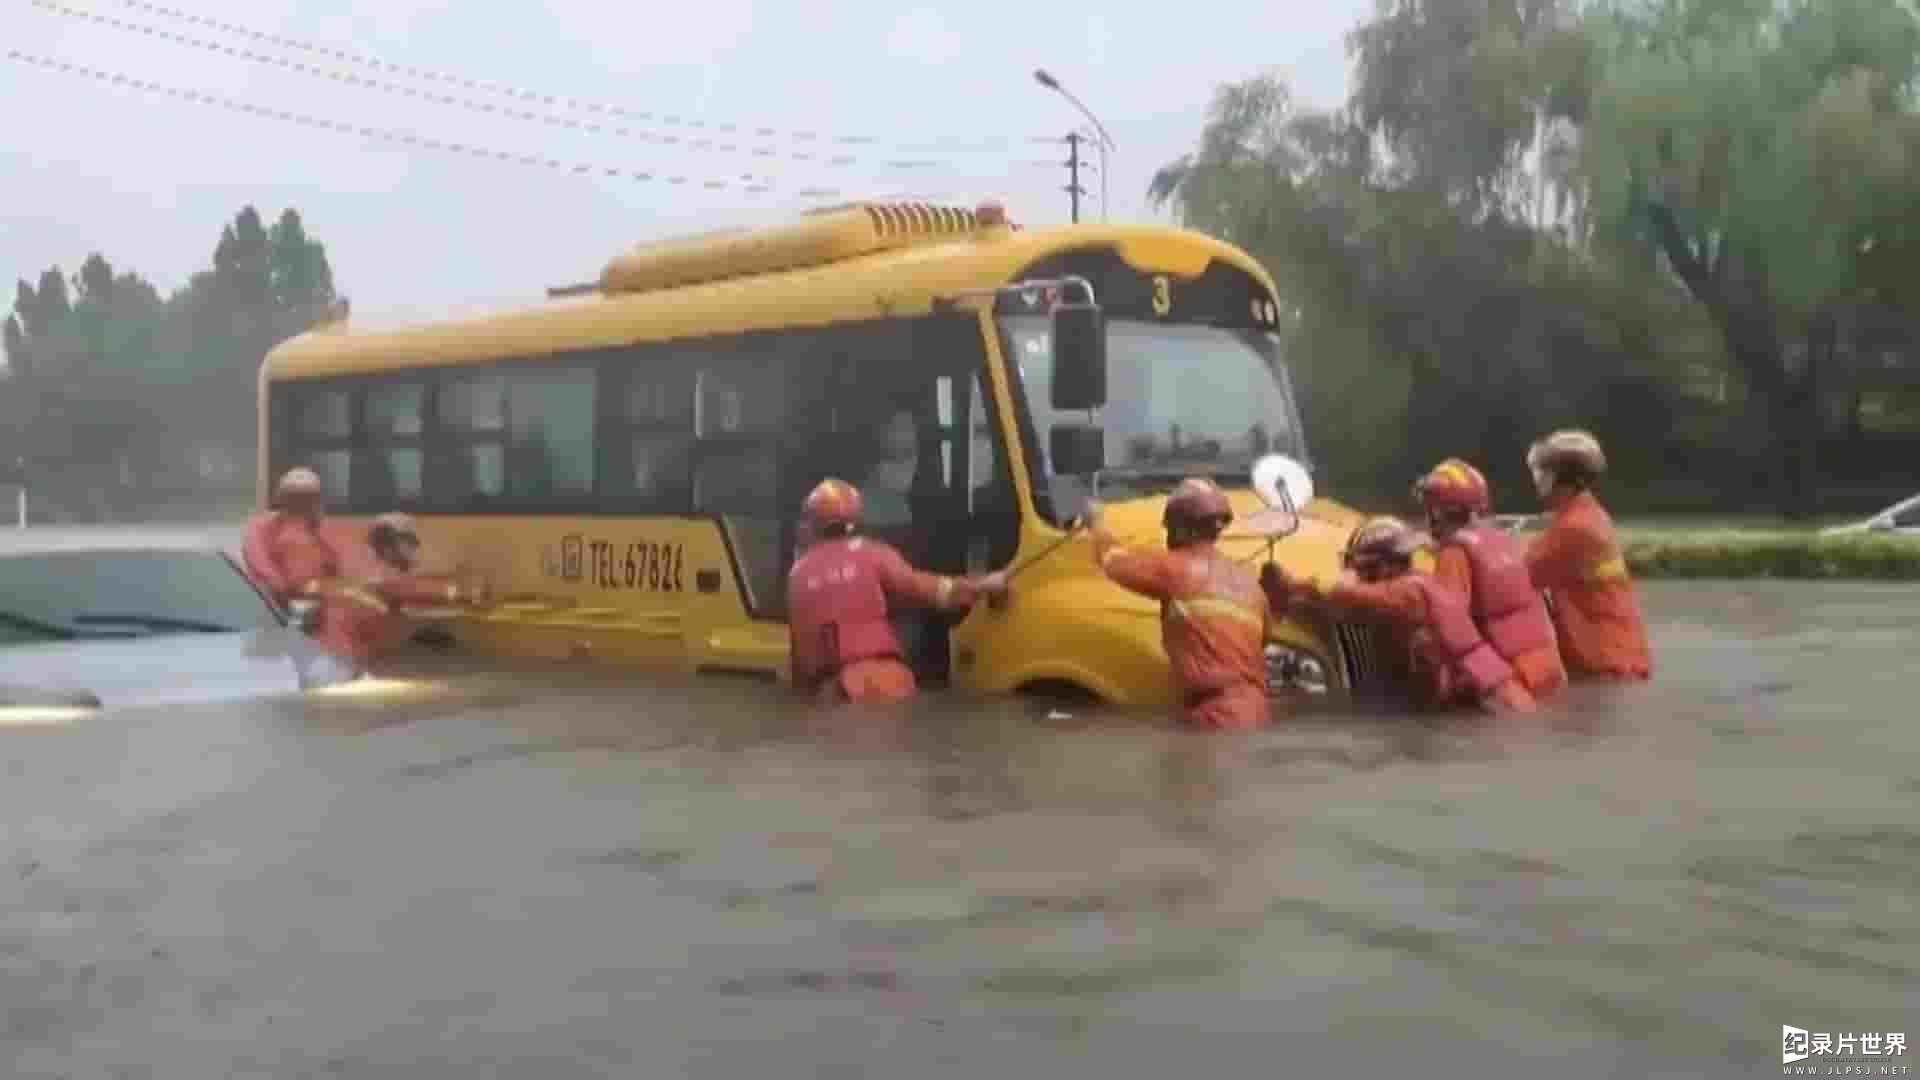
(1079, 357)
(1077, 449)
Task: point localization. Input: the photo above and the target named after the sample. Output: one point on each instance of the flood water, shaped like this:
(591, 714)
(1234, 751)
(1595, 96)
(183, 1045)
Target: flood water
(547, 875)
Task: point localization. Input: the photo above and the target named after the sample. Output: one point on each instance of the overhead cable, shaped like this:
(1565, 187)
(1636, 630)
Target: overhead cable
(485, 107)
(995, 143)
(745, 183)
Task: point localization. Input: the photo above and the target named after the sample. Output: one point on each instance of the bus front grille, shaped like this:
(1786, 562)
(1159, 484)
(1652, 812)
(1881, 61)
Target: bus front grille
(1360, 658)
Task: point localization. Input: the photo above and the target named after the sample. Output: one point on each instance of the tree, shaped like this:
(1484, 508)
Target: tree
(95, 281)
(1423, 310)
(105, 375)
(43, 308)
(1758, 149)
(299, 277)
(1282, 183)
(241, 264)
(1457, 91)
(19, 364)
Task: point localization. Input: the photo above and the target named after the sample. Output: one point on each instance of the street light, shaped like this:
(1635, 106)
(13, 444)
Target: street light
(1041, 76)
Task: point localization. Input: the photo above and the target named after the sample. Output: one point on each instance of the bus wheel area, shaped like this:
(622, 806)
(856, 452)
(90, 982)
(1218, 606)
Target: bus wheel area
(1058, 693)
(435, 636)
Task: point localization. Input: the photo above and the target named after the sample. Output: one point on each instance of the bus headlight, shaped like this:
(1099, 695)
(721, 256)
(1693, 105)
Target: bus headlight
(1297, 670)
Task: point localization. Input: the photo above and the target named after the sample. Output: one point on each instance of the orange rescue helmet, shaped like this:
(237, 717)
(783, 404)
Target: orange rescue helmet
(298, 481)
(1454, 485)
(1568, 451)
(1382, 539)
(1197, 502)
(832, 502)
(297, 489)
(388, 528)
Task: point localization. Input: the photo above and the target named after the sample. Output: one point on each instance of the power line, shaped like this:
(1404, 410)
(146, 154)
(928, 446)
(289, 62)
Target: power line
(988, 143)
(746, 183)
(487, 108)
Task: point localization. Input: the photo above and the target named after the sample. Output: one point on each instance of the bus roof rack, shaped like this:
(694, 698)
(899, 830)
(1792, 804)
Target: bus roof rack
(822, 236)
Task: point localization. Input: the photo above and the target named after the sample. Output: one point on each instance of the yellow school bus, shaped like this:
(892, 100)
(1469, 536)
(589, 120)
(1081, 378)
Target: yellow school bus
(625, 460)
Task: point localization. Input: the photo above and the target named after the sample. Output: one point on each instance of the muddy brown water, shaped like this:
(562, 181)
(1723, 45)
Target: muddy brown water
(540, 874)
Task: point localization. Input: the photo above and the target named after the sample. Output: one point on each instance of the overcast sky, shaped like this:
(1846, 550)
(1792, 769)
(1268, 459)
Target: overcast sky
(148, 179)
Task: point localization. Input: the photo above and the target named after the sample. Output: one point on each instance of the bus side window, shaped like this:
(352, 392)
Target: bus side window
(646, 433)
(322, 438)
(280, 431)
(391, 451)
(472, 462)
(994, 522)
(550, 433)
(741, 404)
(521, 433)
(984, 475)
(943, 416)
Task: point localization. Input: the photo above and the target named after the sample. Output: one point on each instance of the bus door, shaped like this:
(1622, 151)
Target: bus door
(744, 415)
(888, 406)
(969, 521)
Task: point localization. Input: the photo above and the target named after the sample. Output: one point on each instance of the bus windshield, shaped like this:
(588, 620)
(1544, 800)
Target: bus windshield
(1182, 400)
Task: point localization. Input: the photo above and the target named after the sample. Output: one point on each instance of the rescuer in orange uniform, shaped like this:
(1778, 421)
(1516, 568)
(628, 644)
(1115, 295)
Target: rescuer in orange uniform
(283, 549)
(361, 620)
(1580, 564)
(1485, 566)
(1455, 664)
(1213, 614)
(842, 646)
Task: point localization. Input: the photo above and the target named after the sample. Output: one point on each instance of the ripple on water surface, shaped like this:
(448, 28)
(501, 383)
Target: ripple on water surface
(570, 875)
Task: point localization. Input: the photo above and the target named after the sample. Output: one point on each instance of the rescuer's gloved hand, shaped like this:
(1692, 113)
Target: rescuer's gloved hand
(305, 613)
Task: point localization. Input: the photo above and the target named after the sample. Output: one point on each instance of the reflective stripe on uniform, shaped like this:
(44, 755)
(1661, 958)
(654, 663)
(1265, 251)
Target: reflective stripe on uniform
(1204, 607)
(1613, 569)
(364, 597)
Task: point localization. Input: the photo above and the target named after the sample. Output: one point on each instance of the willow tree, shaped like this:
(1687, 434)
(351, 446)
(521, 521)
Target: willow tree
(1287, 184)
(1761, 152)
(1465, 95)
(1423, 322)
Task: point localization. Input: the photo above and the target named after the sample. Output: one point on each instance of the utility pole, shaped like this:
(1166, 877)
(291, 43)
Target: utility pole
(1104, 142)
(1074, 190)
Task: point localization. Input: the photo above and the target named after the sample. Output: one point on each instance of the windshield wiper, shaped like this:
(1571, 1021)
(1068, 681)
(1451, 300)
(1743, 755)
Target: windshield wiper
(154, 622)
(35, 626)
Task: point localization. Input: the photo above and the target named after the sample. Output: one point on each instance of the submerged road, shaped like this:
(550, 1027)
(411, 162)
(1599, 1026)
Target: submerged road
(543, 876)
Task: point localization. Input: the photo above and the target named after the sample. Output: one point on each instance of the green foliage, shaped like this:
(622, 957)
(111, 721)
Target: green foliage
(111, 388)
(1461, 332)
(1629, 216)
(1456, 90)
(1784, 554)
(1764, 151)
(1773, 133)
